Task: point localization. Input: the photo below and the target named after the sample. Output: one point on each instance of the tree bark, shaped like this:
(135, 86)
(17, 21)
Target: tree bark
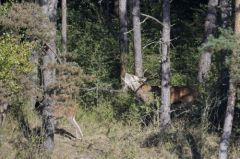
(50, 9)
(165, 65)
(227, 129)
(210, 26)
(123, 36)
(137, 38)
(64, 27)
(34, 58)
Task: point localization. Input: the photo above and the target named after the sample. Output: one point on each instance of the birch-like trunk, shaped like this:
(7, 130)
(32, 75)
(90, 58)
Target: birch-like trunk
(210, 26)
(227, 129)
(165, 65)
(123, 39)
(137, 38)
(50, 9)
(64, 27)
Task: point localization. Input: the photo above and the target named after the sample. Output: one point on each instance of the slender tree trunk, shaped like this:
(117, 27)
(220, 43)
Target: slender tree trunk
(225, 22)
(165, 65)
(64, 26)
(227, 129)
(210, 26)
(137, 38)
(34, 58)
(123, 36)
(50, 9)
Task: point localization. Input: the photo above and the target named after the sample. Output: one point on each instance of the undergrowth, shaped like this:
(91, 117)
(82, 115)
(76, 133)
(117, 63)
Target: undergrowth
(110, 135)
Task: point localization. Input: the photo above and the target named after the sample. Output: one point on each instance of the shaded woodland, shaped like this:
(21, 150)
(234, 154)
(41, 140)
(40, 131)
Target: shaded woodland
(119, 79)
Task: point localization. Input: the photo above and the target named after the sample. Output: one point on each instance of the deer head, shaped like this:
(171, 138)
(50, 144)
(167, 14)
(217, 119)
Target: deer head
(133, 82)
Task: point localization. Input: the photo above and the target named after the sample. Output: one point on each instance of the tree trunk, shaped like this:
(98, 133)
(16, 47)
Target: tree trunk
(165, 65)
(123, 36)
(210, 26)
(227, 129)
(34, 58)
(137, 38)
(64, 27)
(49, 8)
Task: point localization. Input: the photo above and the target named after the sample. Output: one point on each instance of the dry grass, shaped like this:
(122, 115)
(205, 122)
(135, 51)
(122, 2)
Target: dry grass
(105, 137)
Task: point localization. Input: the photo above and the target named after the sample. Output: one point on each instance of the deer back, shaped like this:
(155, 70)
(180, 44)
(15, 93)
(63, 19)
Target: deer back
(182, 94)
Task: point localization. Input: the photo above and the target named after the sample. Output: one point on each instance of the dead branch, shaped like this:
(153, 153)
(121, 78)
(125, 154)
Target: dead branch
(58, 58)
(151, 17)
(102, 89)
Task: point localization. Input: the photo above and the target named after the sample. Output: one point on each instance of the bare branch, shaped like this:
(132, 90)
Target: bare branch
(58, 58)
(134, 28)
(151, 17)
(153, 42)
(102, 89)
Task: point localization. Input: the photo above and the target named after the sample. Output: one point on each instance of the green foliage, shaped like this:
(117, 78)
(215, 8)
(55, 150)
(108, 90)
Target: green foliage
(90, 39)
(227, 41)
(125, 108)
(14, 62)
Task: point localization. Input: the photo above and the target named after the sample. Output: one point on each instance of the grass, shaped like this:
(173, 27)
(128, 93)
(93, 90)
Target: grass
(108, 137)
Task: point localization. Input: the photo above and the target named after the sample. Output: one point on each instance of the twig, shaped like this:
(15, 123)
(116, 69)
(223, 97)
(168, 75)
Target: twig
(151, 17)
(102, 89)
(58, 58)
(187, 111)
(134, 28)
(150, 44)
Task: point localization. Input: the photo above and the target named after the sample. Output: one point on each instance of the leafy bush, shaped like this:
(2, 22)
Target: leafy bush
(14, 61)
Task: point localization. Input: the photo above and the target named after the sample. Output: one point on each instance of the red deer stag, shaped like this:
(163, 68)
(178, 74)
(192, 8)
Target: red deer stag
(179, 94)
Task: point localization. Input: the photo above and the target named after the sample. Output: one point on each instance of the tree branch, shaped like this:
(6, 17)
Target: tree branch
(151, 17)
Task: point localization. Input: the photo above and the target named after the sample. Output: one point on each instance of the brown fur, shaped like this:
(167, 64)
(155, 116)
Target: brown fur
(178, 94)
(182, 94)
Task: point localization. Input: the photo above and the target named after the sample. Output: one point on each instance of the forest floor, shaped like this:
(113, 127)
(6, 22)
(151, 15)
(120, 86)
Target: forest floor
(110, 139)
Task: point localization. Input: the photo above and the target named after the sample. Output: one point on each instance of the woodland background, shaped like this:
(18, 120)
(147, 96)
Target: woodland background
(87, 74)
